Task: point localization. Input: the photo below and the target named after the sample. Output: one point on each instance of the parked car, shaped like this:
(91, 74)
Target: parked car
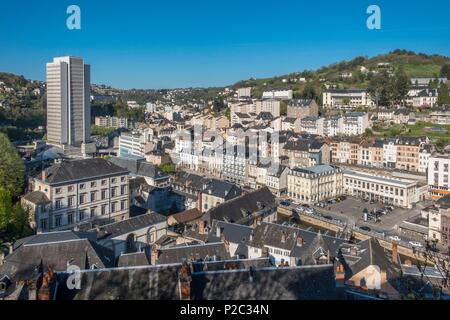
(415, 244)
(328, 217)
(365, 228)
(395, 238)
(285, 203)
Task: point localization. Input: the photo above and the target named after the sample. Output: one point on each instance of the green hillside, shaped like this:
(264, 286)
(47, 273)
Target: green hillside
(338, 74)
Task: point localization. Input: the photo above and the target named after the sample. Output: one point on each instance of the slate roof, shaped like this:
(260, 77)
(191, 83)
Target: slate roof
(139, 168)
(231, 264)
(369, 252)
(221, 189)
(75, 170)
(295, 283)
(133, 259)
(300, 103)
(241, 207)
(135, 283)
(129, 225)
(187, 216)
(36, 197)
(302, 244)
(179, 254)
(55, 249)
(233, 232)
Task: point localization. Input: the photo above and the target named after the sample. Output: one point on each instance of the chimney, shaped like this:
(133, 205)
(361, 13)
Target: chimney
(283, 237)
(202, 227)
(300, 241)
(185, 282)
(44, 290)
(44, 175)
(154, 255)
(395, 252)
(354, 251)
(251, 236)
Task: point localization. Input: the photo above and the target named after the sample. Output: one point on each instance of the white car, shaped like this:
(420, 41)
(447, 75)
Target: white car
(395, 238)
(415, 244)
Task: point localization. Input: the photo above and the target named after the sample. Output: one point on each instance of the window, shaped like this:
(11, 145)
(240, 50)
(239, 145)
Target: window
(93, 184)
(104, 182)
(123, 205)
(70, 218)
(82, 198)
(93, 196)
(123, 179)
(103, 194)
(58, 204)
(113, 207)
(113, 180)
(44, 223)
(93, 212)
(70, 201)
(123, 190)
(103, 210)
(58, 221)
(70, 188)
(81, 215)
(113, 192)
(82, 186)
(58, 190)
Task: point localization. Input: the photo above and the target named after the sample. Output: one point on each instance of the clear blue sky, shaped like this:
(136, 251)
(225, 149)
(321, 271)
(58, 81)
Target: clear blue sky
(182, 43)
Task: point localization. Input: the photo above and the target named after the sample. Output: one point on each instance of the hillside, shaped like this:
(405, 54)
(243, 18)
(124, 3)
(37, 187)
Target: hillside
(350, 74)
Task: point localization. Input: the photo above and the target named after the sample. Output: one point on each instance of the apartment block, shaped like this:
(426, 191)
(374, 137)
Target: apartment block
(315, 184)
(72, 193)
(68, 101)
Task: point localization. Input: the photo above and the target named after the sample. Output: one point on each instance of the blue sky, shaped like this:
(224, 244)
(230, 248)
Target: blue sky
(172, 43)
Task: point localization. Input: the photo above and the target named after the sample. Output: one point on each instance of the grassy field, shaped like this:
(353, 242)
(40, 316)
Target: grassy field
(438, 134)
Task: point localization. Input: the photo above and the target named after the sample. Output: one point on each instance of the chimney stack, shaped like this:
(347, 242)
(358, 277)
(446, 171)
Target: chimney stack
(44, 290)
(300, 241)
(185, 282)
(201, 227)
(395, 252)
(154, 255)
(283, 237)
(44, 175)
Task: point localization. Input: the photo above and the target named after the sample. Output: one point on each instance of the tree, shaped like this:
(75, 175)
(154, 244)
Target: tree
(379, 89)
(399, 87)
(12, 169)
(445, 71)
(6, 208)
(443, 97)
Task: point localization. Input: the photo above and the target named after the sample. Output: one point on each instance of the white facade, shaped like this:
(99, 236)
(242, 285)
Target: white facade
(278, 94)
(355, 123)
(438, 173)
(68, 101)
(342, 97)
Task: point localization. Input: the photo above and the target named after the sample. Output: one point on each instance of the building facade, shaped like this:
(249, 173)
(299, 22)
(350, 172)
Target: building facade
(68, 101)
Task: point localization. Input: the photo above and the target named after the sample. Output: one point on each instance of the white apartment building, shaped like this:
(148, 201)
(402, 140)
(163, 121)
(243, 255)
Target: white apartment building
(333, 126)
(111, 122)
(337, 98)
(315, 184)
(278, 94)
(312, 125)
(68, 101)
(401, 193)
(355, 123)
(438, 173)
(71, 193)
(269, 105)
(244, 93)
(134, 143)
(389, 154)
